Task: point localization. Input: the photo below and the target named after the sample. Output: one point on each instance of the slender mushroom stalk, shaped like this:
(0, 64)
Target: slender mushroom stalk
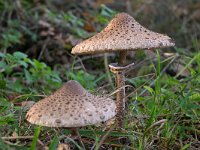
(74, 132)
(123, 33)
(70, 107)
(119, 72)
(120, 96)
(122, 58)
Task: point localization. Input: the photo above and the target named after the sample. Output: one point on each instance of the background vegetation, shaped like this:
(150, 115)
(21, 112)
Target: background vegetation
(36, 37)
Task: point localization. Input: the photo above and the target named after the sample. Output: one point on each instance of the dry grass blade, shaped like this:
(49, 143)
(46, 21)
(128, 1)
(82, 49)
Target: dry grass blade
(155, 124)
(17, 137)
(97, 146)
(161, 73)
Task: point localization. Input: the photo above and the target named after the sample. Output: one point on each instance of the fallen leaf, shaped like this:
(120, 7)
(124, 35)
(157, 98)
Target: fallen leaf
(27, 104)
(63, 147)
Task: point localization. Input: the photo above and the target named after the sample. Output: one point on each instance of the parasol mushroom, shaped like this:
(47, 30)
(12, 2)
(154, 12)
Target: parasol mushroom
(71, 106)
(122, 34)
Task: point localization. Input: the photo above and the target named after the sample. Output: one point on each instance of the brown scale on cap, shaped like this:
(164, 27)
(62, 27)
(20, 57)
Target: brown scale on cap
(122, 33)
(71, 106)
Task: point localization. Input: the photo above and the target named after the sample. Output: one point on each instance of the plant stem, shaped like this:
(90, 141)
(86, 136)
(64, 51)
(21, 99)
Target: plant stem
(120, 99)
(74, 132)
(120, 83)
(120, 96)
(122, 58)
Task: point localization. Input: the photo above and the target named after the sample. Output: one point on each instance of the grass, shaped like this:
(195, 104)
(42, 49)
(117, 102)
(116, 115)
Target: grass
(165, 116)
(162, 108)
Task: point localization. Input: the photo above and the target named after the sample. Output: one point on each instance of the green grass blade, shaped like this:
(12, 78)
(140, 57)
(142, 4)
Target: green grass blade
(35, 138)
(54, 143)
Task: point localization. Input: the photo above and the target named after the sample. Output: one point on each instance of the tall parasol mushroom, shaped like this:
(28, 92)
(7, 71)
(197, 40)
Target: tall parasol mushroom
(122, 34)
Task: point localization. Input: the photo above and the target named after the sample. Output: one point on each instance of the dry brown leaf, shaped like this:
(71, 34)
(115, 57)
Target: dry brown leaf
(88, 27)
(63, 147)
(44, 24)
(27, 104)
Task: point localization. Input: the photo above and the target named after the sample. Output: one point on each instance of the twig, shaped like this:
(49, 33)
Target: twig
(119, 90)
(12, 144)
(122, 146)
(158, 116)
(138, 88)
(81, 62)
(92, 56)
(137, 65)
(21, 96)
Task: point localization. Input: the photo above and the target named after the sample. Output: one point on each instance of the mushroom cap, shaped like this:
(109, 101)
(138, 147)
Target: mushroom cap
(122, 33)
(71, 106)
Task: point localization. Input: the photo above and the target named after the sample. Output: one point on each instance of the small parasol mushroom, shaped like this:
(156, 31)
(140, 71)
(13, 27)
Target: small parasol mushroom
(71, 106)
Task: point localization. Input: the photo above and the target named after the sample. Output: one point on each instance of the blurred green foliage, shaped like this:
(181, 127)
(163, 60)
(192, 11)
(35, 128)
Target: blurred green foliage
(25, 71)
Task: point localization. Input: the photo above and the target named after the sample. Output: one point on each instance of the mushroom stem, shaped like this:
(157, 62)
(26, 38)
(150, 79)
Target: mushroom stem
(120, 95)
(122, 58)
(120, 98)
(74, 132)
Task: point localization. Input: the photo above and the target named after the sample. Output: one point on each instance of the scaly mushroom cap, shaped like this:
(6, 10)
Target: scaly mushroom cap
(71, 106)
(122, 33)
